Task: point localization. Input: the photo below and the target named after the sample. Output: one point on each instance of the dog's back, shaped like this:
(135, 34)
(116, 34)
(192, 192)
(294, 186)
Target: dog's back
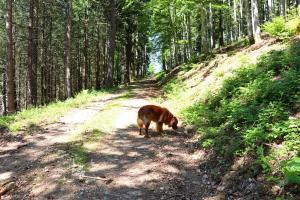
(148, 113)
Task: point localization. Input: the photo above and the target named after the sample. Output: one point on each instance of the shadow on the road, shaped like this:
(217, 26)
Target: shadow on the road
(155, 168)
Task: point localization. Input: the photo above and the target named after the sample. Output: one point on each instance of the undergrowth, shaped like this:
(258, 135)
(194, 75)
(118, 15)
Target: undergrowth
(254, 112)
(257, 106)
(281, 28)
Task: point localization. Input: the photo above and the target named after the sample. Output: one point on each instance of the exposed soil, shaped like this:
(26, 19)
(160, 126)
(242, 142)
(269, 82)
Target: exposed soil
(125, 165)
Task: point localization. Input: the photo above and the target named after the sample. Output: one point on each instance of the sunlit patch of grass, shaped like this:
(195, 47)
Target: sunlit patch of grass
(75, 149)
(91, 132)
(61, 181)
(128, 94)
(48, 114)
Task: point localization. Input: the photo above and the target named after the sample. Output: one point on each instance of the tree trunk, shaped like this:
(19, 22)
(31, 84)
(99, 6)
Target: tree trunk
(85, 53)
(32, 55)
(4, 99)
(189, 29)
(164, 63)
(112, 43)
(98, 58)
(204, 38)
(235, 29)
(221, 29)
(68, 48)
(211, 27)
(298, 6)
(249, 22)
(282, 7)
(255, 21)
(10, 65)
(128, 56)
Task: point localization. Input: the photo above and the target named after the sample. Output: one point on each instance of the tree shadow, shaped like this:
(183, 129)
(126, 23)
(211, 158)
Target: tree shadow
(139, 168)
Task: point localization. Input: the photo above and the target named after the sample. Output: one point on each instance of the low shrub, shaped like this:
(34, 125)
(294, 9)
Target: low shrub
(282, 29)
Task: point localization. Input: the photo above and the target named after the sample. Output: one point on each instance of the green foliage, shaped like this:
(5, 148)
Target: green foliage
(291, 170)
(160, 75)
(172, 88)
(276, 28)
(79, 154)
(281, 29)
(254, 108)
(49, 113)
(150, 70)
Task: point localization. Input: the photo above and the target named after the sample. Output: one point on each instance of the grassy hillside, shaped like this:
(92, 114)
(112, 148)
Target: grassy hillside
(245, 106)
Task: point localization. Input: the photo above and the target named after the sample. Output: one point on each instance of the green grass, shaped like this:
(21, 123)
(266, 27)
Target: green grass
(250, 108)
(253, 108)
(48, 114)
(90, 133)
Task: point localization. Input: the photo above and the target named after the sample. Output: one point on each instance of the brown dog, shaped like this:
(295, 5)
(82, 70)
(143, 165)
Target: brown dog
(159, 115)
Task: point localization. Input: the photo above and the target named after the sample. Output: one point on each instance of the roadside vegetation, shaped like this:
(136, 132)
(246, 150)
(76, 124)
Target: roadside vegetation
(246, 106)
(47, 114)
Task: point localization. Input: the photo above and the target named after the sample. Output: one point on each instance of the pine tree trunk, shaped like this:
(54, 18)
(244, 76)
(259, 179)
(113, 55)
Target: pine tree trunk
(211, 31)
(128, 56)
(298, 6)
(68, 48)
(249, 22)
(98, 59)
(35, 51)
(85, 53)
(189, 29)
(112, 43)
(4, 93)
(221, 29)
(32, 55)
(255, 21)
(10, 66)
(204, 37)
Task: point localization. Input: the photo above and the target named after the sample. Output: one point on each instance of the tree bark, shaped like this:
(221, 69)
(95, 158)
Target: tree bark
(68, 48)
(32, 55)
(85, 53)
(189, 35)
(10, 65)
(249, 22)
(112, 44)
(221, 29)
(98, 59)
(128, 56)
(4, 94)
(255, 21)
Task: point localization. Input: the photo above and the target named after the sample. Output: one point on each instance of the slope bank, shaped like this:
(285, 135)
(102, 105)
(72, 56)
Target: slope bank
(244, 105)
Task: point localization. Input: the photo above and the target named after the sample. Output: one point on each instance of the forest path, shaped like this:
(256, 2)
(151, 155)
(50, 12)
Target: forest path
(124, 165)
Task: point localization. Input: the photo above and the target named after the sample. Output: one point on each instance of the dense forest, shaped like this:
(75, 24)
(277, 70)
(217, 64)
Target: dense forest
(51, 50)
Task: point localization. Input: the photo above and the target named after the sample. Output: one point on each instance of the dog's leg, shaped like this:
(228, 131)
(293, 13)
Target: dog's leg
(140, 124)
(146, 130)
(159, 127)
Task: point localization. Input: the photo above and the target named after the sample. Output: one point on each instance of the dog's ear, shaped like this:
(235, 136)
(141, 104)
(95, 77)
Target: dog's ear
(173, 120)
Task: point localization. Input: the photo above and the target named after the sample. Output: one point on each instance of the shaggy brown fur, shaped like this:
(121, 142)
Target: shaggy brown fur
(157, 114)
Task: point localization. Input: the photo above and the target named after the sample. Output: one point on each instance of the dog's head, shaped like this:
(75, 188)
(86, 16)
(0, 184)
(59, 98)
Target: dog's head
(173, 123)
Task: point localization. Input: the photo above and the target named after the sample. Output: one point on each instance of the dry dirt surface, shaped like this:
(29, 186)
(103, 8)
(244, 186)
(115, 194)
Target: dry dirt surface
(124, 165)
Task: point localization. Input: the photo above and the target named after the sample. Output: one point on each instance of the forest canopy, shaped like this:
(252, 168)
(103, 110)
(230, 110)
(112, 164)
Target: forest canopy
(52, 50)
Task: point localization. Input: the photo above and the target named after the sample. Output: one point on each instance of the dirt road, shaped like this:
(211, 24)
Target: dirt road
(124, 164)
